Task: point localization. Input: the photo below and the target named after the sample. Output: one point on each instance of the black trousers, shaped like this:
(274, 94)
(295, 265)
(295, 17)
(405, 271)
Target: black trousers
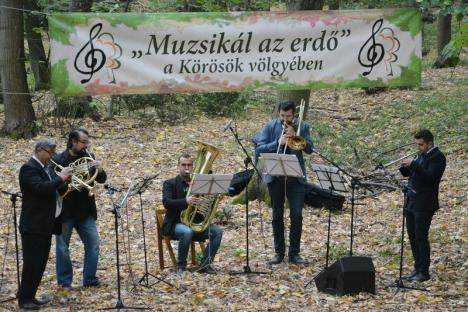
(417, 226)
(36, 250)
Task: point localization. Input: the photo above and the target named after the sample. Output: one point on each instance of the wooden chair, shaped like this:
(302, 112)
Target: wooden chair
(160, 212)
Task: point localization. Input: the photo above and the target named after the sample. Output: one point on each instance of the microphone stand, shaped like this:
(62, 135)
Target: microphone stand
(247, 161)
(398, 284)
(116, 211)
(140, 188)
(13, 197)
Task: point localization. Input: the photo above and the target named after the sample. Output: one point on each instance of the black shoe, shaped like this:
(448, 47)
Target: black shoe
(296, 260)
(421, 277)
(277, 259)
(207, 269)
(409, 276)
(31, 305)
(42, 302)
(95, 283)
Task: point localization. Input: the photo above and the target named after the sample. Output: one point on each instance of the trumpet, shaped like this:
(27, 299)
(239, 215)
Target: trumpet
(81, 179)
(399, 159)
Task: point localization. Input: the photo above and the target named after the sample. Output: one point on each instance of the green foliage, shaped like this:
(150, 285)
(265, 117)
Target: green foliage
(173, 108)
(446, 114)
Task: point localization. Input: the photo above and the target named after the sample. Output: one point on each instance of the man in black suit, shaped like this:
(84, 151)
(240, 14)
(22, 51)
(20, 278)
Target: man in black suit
(175, 200)
(425, 173)
(40, 218)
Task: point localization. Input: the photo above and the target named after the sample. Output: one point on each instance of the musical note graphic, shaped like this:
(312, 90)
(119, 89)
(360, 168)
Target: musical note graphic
(93, 59)
(387, 34)
(375, 51)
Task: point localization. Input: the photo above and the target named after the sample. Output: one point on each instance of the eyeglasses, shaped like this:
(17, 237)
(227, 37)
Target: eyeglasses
(51, 153)
(84, 142)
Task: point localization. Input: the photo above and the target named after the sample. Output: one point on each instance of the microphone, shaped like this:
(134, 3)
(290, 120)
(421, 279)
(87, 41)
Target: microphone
(227, 125)
(112, 188)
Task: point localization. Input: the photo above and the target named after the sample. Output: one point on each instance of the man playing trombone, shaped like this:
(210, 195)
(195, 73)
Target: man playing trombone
(275, 137)
(79, 212)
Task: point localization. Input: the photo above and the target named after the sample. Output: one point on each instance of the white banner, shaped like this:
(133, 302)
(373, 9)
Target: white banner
(205, 52)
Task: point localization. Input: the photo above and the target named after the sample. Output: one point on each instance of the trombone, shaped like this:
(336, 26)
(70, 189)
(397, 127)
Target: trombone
(296, 142)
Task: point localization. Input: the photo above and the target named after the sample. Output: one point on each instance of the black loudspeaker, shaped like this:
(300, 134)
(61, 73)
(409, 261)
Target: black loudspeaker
(348, 275)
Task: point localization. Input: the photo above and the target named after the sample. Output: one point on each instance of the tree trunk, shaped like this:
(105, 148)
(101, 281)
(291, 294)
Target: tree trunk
(297, 5)
(19, 113)
(78, 107)
(333, 4)
(37, 57)
(297, 95)
(444, 34)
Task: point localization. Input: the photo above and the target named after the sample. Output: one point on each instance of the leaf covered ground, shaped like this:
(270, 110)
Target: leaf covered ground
(340, 121)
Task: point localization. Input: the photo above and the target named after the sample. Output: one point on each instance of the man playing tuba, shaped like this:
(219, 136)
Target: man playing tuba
(175, 201)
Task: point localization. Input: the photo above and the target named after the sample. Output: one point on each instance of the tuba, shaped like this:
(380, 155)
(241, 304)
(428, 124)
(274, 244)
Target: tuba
(81, 178)
(200, 216)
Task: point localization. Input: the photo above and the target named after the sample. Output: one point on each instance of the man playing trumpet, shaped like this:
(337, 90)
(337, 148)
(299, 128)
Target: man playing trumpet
(79, 212)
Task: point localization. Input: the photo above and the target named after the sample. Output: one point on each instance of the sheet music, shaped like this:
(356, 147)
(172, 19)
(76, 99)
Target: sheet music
(281, 165)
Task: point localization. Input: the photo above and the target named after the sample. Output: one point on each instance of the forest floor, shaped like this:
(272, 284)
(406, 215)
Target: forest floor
(131, 147)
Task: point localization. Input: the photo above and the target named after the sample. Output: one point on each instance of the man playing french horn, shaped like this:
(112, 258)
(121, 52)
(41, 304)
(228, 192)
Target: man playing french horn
(79, 209)
(175, 201)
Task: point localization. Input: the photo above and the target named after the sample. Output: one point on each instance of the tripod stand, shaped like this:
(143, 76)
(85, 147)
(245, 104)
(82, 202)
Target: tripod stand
(139, 188)
(13, 197)
(398, 284)
(329, 179)
(247, 161)
(116, 211)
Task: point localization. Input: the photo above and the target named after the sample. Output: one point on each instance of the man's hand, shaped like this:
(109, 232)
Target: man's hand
(406, 162)
(192, 200)
(96, 164)
(65, 174)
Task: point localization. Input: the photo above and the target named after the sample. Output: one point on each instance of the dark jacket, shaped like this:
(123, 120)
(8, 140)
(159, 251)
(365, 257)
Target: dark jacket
(78, 205)
(425, 183)
(267, 142)
(174, 200)
(39, 200)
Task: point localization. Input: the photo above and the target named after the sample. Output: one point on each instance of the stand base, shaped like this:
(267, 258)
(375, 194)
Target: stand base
(7, 300)
(120, 306)
(144, 280)
(399, 285)
(247, 270)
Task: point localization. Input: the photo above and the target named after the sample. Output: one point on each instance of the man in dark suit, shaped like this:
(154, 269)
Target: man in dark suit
(175, 200)
(425, 173)
(272, 140)
(40, 218)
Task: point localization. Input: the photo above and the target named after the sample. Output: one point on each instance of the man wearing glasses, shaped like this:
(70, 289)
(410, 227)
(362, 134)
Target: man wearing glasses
(40, 218)
(79, 213)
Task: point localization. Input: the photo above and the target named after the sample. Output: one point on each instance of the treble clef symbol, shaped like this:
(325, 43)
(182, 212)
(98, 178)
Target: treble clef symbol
(94, 59)
(375, 51)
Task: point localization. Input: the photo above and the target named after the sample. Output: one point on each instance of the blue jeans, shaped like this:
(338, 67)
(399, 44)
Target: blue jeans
(88, 232)
(185, 235)
(279, 189)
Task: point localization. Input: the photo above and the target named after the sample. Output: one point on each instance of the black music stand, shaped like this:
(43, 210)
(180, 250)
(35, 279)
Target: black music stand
(140, 187)
(329, 179)
(398, 284)
(13, 197)
(116, 211)
(210, 184)
(247, 161)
